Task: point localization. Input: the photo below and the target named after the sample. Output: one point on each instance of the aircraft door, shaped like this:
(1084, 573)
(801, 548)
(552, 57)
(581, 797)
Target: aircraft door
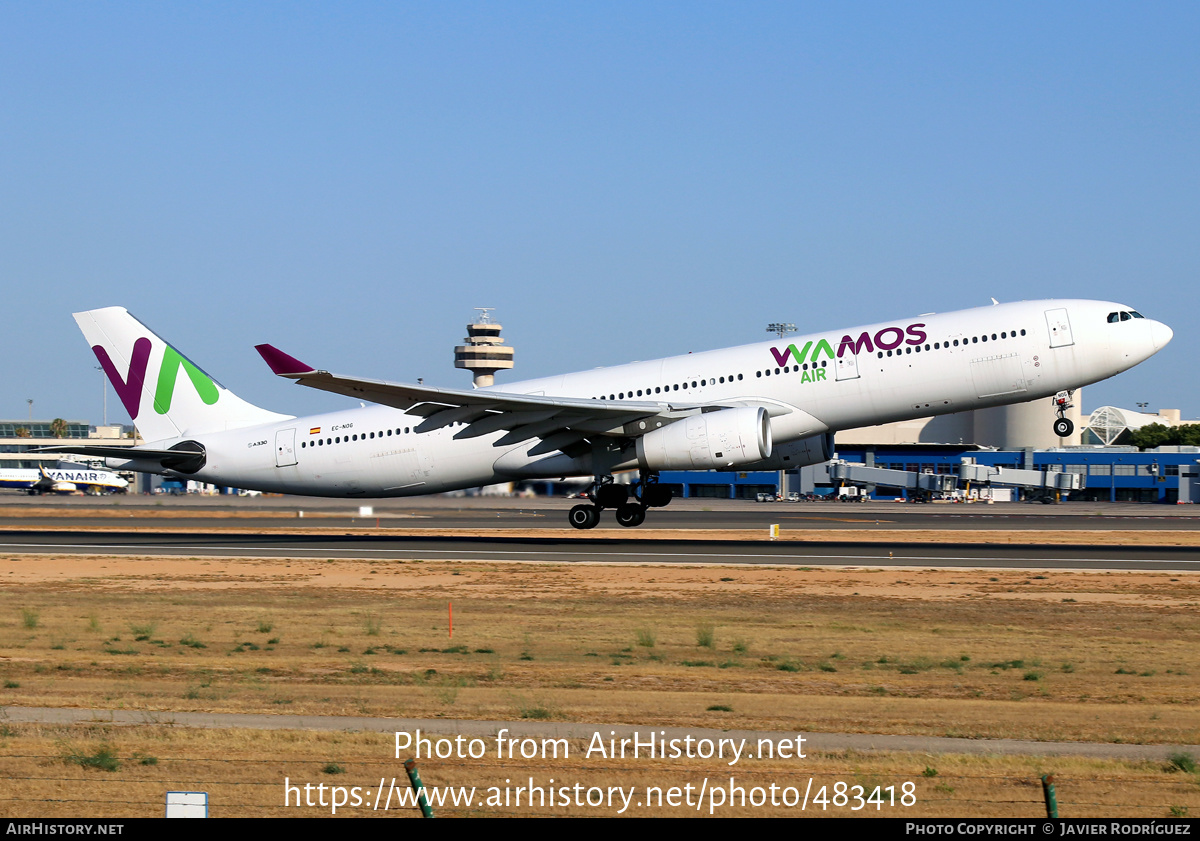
(847, 367)
(1060, 328)
(285, 448)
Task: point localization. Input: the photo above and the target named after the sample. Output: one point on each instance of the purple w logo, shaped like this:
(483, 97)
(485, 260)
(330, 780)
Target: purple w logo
(129, 390)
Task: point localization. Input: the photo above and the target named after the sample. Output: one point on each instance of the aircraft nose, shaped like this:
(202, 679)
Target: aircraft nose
(1161, 334)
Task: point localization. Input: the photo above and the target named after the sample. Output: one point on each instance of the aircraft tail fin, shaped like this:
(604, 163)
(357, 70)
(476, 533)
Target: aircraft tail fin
(166, 394)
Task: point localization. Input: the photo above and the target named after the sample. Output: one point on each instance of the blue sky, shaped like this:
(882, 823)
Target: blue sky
(621, 180)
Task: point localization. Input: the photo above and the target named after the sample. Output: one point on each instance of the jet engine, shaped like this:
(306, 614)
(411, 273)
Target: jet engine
(811, 450)
(725, 438)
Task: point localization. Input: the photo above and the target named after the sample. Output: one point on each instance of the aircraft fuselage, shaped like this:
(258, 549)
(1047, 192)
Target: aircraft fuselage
(821, 382)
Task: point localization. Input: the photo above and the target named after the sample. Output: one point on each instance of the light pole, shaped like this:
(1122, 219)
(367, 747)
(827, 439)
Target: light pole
(30, 402)
(104, 391)
(781, 329)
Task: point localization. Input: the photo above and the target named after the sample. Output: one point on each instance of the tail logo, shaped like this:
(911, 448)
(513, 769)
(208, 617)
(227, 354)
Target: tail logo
(169, 372)
(129, 388)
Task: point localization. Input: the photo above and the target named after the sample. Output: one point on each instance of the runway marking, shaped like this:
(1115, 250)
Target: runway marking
(835, 519)
(460, 552)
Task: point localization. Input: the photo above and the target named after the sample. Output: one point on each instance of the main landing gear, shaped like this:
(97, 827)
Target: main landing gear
(647, 493)
(1063, 426)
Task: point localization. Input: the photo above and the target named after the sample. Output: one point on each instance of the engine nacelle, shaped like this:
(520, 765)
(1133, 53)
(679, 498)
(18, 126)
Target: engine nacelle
(811, 450)
(713, 440)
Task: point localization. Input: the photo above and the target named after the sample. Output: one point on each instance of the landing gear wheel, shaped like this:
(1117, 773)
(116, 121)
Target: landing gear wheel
(656, 496)
(611, 495)
(630, 515)
(1063, 427)
(584, 516)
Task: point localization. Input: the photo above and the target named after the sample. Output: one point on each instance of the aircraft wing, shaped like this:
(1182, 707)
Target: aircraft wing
(481, 411)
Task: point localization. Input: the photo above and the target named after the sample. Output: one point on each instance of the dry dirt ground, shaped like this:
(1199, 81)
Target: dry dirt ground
(1054, 655)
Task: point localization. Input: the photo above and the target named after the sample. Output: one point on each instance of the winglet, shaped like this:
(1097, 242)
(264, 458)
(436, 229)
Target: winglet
(282, 364)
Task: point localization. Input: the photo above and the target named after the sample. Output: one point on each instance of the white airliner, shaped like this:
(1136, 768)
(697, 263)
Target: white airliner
(62, 480)
(765, 406)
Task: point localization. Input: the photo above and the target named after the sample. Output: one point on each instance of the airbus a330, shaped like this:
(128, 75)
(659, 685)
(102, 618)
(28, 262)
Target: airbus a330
(764, 406)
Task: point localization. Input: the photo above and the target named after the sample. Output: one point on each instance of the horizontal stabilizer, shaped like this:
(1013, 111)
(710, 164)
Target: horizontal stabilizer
(186, 456)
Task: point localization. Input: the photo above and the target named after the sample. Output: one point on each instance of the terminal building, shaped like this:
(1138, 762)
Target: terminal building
(19, 438)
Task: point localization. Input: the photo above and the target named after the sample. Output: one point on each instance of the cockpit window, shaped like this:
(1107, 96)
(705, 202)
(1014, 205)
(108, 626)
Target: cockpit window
(1114, 317)
(1136, 314)
(1125, 316)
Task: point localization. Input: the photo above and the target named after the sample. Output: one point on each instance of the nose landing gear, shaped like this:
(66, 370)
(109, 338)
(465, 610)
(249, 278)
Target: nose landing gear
(1063, 426)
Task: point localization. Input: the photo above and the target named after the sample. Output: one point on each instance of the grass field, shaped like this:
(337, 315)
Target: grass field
(1095, 657)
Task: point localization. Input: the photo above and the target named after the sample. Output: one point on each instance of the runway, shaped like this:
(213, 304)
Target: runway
(602, 549)
(440, 513)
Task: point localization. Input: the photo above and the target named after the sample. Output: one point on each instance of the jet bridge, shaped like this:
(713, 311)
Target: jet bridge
(968, 471)
(844, 471)
(1051, 480)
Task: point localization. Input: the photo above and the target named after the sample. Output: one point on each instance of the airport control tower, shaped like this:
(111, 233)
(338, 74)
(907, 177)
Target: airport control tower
(484, 352)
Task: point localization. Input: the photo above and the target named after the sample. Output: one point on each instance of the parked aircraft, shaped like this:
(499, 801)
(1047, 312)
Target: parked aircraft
(764, 406)
(63, 480)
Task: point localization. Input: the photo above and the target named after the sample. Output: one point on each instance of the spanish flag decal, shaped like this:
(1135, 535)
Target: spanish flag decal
(316, 430)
